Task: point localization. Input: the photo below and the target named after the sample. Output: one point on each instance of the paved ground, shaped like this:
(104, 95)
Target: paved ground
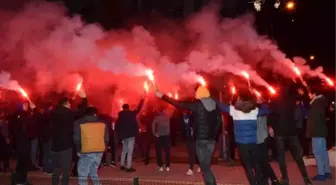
(149, 176)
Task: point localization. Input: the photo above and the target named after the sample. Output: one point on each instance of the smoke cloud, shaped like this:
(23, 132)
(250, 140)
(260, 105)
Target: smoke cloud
(48, 50)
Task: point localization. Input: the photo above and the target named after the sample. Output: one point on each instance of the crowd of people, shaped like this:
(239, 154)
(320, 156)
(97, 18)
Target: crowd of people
(65, 141)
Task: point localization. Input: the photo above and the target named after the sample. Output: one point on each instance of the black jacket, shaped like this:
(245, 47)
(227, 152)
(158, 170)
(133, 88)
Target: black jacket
(62, 126)
(283, 114)
(127, 124)
(316, 119)
(20, 123)
(205, 114)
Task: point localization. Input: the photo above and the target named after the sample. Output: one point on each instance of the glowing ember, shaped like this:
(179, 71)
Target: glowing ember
(150, 75)
(176, 96)
(297, 71)
(201, 81)
(330, 82)
(271, 89)
(79, 86)
(245, 74)
(146, 86)
(233, 90)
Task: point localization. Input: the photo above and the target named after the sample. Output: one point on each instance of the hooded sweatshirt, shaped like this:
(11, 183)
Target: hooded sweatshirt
(244, 114)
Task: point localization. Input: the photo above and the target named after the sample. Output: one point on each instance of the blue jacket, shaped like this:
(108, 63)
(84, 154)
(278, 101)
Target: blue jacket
(245, 122)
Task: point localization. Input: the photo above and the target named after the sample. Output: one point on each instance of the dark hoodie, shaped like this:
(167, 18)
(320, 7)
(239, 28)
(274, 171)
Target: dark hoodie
(316, 120)
(244, 114)
(206, 116)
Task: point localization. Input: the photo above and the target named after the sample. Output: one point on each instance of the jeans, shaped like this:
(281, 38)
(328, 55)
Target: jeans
(249, 156)
(319, 146)
(88, 166)
(264, 164)
(295, 149)
(47, 161)
(162, 142)
(127, 148)
(191, 145)
(61, 161)
(33, 150)
(204, 150)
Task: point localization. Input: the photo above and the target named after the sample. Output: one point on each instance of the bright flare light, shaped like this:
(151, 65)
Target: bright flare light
(23, 92)
(272, 90)
(201, 81)
(257, 93)
(170, 94)
(330, 82)
(245, 74)
(297, 71)
(233, 90)
(79, 86)
(146, 86)
(176, 96)
(150, 75)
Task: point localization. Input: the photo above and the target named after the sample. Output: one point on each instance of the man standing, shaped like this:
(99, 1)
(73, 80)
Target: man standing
(161, 130)
(207, 120)
(127, 128)
(90, 136)
(285, 131)
(62, 122)
(317, 130)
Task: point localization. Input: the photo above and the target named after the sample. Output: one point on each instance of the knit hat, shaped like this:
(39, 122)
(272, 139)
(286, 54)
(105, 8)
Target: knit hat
(202, 92)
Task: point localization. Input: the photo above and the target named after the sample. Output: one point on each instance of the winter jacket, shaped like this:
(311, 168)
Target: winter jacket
(90, 134)
(62, 126)
(161, 125)
(282, 117)
(127, 124)
(300, 114)
(244, 115)
(19, 126)
(316, 120)
(205, 114)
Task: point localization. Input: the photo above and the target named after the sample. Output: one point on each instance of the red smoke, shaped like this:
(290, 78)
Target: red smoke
(57, 50)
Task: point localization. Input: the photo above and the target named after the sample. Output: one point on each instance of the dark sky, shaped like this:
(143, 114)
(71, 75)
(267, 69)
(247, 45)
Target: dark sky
(311, 33)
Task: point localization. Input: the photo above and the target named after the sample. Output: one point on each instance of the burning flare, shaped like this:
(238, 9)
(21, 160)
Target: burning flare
(170, 94)
(233, 90)
(330, 82)
(201, 81)
(245, 74)
(272, 90)
(297, 71)
(146, 86)
(176, 96)
(257, 93)
(79, 86)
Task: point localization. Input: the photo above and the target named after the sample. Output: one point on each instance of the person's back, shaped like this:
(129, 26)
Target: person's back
(161, 125)
(62, 120)
(127, 124)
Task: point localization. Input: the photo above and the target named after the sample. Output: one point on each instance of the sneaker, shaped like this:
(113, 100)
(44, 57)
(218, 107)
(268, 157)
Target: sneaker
(318, 178)
(328, 176)
(122, 168)
(105, 164)
(190, 172)
(198, 169)
(307, 181)
(113, 164)
(167, 169)
(159, 169)
(130, 170)
(47, 173)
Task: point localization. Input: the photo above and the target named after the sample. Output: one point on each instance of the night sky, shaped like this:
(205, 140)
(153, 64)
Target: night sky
(307, 30)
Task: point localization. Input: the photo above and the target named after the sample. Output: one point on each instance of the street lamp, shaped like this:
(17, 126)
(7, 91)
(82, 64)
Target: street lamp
(312, 57)
(290, 5)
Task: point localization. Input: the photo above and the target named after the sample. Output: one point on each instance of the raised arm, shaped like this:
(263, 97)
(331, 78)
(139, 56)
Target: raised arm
(263, 110)
(180, 104)
(140, 105)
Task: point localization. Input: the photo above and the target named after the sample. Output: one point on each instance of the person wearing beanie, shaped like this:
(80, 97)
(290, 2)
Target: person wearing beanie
(207, 122)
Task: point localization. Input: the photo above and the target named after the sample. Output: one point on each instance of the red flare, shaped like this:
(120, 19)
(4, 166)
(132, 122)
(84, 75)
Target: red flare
(233, 90)
(272, 90)
(150, 75)
(23, 92)
(297, 71)
(146, 86)
(245, 74)
(170, 94)
(257, 93)
(176, 96)
(330, 82)
(79, 86)
(201, 81)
